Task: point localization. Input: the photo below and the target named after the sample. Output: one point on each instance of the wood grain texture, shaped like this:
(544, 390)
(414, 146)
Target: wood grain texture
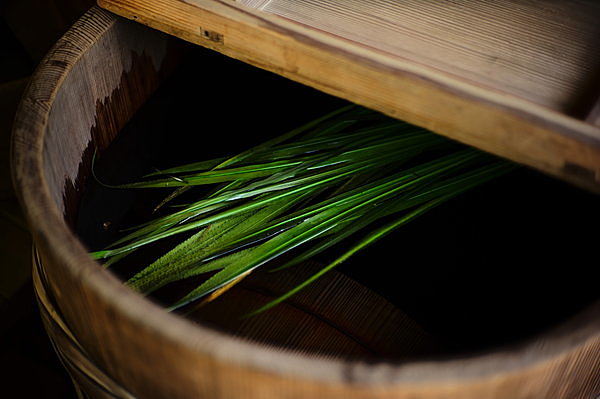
(85, 374)
(537, 50)
(154, 354)
(459, 80)
(336, 318)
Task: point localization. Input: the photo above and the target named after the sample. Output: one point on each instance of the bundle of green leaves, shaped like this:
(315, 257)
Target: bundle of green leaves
(351, 176)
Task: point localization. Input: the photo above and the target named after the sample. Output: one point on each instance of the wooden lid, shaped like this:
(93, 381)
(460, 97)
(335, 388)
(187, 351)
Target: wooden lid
(518, 79)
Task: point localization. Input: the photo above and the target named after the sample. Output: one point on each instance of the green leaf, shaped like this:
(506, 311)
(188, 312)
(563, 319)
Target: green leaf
(300, 193)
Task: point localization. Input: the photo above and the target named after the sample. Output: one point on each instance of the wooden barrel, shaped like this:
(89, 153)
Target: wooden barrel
(116, 343)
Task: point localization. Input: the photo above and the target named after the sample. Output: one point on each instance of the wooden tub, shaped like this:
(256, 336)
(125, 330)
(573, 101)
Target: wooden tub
(116, 343)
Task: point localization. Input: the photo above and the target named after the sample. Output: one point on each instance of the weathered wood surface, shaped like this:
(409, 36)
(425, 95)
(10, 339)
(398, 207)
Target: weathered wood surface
(528, 49)
(517, 80)
(87, 87)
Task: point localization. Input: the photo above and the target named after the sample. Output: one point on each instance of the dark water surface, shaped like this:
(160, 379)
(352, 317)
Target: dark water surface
(493, 266)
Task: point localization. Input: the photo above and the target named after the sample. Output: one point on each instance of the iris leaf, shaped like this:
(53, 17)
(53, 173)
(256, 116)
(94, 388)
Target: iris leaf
(296, 196)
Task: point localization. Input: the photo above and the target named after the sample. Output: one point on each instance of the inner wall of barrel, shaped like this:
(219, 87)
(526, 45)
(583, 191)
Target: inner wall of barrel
(98, 96)
(493, 267)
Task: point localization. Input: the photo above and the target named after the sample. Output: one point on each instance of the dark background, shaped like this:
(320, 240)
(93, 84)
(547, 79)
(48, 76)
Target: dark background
(28, 365)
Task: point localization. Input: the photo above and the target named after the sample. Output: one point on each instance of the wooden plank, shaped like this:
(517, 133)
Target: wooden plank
(491, 45)
(538, 134)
